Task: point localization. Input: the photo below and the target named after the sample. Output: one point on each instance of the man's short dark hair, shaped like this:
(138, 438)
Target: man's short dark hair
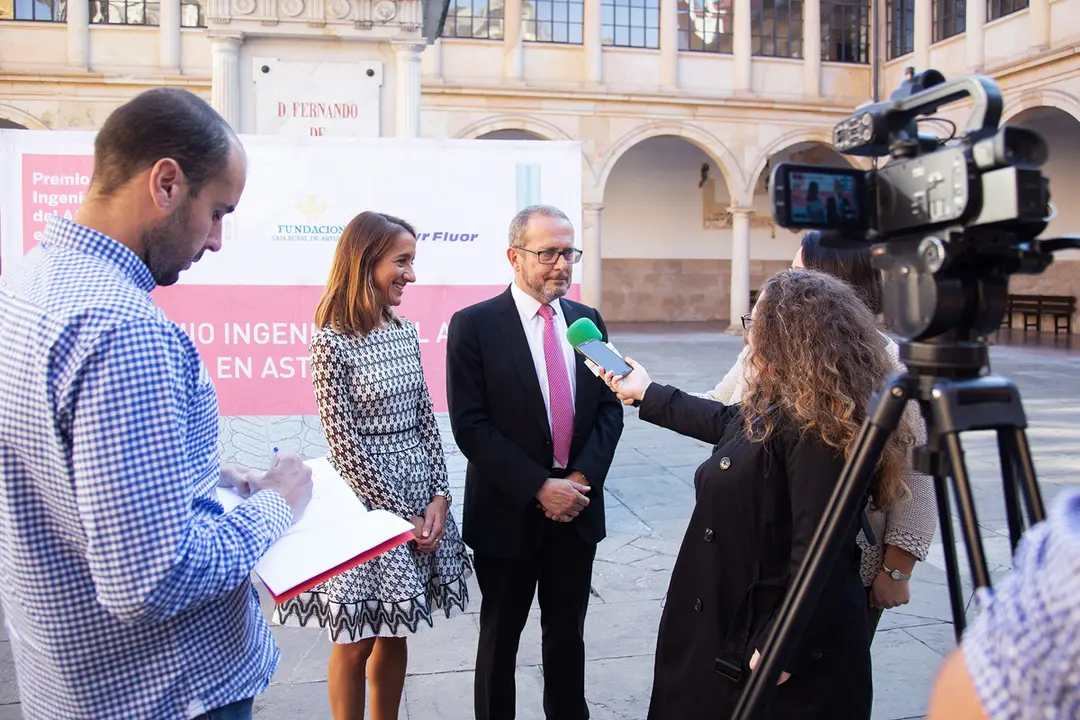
(156, 124)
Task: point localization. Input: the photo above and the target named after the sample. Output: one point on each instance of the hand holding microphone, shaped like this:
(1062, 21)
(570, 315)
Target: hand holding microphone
(606, 362)
(629, 388)
(587, 339)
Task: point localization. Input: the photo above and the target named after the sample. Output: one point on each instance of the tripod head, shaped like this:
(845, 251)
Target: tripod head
(945, 293)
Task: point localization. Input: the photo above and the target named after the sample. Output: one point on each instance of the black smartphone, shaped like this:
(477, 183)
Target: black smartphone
(602, 355)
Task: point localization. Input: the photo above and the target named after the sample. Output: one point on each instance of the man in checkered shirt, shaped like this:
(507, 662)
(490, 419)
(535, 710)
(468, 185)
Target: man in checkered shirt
(125, 588)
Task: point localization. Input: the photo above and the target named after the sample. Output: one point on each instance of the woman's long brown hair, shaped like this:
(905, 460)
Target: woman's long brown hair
(816, 356)
(350, 302)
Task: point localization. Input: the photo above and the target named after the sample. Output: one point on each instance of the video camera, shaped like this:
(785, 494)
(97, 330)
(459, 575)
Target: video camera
(989, 178)
(966, 208)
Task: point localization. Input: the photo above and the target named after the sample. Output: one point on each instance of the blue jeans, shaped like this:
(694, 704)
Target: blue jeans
(239, 710)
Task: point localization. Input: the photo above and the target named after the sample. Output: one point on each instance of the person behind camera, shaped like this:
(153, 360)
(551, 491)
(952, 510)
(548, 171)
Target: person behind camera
(816, 357)
(902, 533)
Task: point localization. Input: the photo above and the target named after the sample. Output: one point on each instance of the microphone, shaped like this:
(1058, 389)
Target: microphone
(587, 339)
(581, 330)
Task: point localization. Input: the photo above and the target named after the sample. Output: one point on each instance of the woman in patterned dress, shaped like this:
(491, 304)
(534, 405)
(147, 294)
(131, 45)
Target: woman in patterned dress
(384, 441)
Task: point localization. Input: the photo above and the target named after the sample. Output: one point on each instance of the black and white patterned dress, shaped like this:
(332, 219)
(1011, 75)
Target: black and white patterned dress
(384, 441)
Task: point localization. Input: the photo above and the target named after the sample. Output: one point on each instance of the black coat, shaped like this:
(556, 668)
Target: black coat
(501, 425)
(758, 506)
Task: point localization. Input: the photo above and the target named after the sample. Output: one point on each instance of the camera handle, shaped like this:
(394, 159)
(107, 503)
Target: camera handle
(949, 407)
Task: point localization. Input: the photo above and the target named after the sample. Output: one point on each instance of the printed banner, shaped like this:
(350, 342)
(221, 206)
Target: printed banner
(249, 307)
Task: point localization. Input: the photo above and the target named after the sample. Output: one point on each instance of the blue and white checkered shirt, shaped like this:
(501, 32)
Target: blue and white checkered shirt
(1023, 648)
(125, 588)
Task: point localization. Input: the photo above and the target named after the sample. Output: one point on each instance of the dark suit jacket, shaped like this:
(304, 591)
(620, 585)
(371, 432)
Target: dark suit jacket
(500, 424)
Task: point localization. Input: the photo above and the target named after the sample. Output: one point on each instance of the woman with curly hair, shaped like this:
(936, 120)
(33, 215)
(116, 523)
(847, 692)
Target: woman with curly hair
(816, 357)
(902, 531)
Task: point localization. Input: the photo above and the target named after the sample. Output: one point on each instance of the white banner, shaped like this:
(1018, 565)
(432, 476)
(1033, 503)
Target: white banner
(249, 307)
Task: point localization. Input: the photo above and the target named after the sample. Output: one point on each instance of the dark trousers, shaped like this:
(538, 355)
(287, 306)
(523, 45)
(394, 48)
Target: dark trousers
(562, 569)
(873, 616)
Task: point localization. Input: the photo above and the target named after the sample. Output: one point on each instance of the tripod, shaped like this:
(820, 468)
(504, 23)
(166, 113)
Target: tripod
(946, 376)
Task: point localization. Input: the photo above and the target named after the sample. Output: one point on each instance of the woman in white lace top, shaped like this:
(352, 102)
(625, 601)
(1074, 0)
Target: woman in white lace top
(903, 533)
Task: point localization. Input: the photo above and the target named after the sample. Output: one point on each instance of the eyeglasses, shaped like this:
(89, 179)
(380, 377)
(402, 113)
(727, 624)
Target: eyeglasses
(746, 320)
(550, 257)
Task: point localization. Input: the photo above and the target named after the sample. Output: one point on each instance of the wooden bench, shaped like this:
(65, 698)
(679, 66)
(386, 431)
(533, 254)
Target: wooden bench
(1034, 307)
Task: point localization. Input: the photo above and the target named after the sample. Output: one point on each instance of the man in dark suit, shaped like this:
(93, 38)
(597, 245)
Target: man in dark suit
(539, 431)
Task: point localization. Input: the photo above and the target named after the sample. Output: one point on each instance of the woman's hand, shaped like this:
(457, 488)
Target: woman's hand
(630, 387)
(755, 660)
(886, 593)
(434, 525)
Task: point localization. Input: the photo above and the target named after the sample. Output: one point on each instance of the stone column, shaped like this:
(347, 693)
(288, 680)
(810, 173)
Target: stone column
(973, 37)
(78, 34)
(742, 46)
(169, 36)
(407, 88)
(594, 43)
(592, 264)
(812, 48)
(1039, 19)
(923, 32)
(225, 77)
(669, 44)
(740, 267)
(513, 52)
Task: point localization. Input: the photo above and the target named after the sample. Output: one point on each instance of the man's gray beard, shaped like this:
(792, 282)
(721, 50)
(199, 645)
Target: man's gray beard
(548, 294)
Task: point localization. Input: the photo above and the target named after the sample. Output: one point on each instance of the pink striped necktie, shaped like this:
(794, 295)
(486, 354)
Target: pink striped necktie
(562, 404)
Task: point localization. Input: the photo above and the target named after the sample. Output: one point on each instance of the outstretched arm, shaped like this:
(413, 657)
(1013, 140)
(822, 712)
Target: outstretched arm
(670, 407)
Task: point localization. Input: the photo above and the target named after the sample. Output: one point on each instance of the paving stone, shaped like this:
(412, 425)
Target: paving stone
(904, 671)
(9, 687)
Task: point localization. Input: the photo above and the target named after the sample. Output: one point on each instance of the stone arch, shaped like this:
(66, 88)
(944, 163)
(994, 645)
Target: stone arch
(542, 128)
(1046, 97)
(703, 139)
(795, 137)
(509, 134)
(28, 121)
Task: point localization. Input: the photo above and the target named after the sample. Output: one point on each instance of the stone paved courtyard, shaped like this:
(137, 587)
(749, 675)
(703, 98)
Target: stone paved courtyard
(650, 496)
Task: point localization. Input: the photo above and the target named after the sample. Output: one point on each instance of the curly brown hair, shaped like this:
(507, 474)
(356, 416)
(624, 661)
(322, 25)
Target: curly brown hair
(816, 356)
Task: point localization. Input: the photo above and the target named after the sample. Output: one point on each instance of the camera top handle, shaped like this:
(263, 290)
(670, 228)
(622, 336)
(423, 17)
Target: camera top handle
(894, 121)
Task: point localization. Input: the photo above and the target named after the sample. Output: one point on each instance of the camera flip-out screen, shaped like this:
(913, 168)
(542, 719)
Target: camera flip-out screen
(814, 197)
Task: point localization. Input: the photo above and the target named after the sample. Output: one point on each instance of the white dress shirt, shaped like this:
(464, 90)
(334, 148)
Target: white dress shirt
(529, 310)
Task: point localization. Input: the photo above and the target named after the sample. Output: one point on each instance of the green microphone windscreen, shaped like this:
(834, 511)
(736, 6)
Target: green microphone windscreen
(581, 330)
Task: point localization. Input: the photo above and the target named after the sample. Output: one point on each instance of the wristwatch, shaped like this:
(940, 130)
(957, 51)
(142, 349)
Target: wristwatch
(446, 494)
(895, 574)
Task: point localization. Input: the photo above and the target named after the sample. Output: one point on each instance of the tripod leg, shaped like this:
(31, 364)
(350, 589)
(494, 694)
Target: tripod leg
(966, 505)
(952, 566)
(1008, 488)
(1028, 484)
(848, 498)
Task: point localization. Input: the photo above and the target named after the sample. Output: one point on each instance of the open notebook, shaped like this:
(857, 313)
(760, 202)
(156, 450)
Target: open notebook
(335, 533)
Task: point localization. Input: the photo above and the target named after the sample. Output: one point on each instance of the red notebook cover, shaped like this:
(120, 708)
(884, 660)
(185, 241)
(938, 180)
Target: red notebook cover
(358, 560)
